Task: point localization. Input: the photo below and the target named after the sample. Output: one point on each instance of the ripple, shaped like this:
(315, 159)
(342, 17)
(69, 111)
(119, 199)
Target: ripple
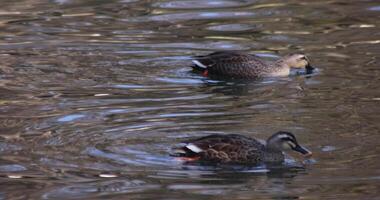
(202, 4)
(226, 45)
(374, 8)
(70, 118)
(12, 168)
(181, 80)
(129, 86)
(6, 147)
(98, 188)
(57, 163)
(179, 17)
(233, 27)
(328, 148)
(94, 152)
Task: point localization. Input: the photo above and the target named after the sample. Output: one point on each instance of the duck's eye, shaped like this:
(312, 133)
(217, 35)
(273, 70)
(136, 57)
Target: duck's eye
(303, 58)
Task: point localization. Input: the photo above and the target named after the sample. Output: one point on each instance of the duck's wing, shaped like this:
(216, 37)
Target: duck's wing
(229, 63)
(222, 148)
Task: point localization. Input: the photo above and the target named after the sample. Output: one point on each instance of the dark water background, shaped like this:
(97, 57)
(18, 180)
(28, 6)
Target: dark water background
(94, 93)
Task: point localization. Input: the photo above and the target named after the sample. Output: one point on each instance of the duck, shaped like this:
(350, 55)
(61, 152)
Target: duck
(240, 65)
(238, 149)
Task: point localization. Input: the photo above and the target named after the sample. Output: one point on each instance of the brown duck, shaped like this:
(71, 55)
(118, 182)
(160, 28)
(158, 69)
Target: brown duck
(239, 149)
(241, 65)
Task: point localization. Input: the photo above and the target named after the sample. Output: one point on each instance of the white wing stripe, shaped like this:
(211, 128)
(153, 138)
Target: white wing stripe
(194, 148)
(199, 64)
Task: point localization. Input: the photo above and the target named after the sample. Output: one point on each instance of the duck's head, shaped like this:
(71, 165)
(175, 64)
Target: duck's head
(298, 61)
(286, 141)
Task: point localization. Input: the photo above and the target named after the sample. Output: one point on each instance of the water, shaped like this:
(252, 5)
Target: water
(94, 94)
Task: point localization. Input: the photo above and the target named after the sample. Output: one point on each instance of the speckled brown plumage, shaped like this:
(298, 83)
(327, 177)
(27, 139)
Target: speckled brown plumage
(234, 148)
(230, 148)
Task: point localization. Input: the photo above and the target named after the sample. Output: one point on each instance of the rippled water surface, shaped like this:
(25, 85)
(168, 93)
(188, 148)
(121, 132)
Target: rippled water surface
(94, 94)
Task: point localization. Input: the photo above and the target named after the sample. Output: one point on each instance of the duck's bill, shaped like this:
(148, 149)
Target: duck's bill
(309, 69)
(303, 150)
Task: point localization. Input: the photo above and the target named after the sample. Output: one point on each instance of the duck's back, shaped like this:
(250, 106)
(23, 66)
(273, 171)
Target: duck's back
(225, 149)
(232, 64)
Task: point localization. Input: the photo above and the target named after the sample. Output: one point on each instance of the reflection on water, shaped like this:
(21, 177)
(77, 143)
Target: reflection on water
(94, 94)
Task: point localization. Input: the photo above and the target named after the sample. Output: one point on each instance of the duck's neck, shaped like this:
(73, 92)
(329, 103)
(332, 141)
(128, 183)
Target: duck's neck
(280, 68)
(273, 154)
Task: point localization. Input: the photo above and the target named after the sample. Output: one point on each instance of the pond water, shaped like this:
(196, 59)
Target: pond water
(94, 94)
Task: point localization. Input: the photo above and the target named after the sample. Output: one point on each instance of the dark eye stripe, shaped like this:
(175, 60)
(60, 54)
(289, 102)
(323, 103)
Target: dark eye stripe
(303, 58)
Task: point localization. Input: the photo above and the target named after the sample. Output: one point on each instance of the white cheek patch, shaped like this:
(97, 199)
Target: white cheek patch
(194, 148)
(288, 145)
